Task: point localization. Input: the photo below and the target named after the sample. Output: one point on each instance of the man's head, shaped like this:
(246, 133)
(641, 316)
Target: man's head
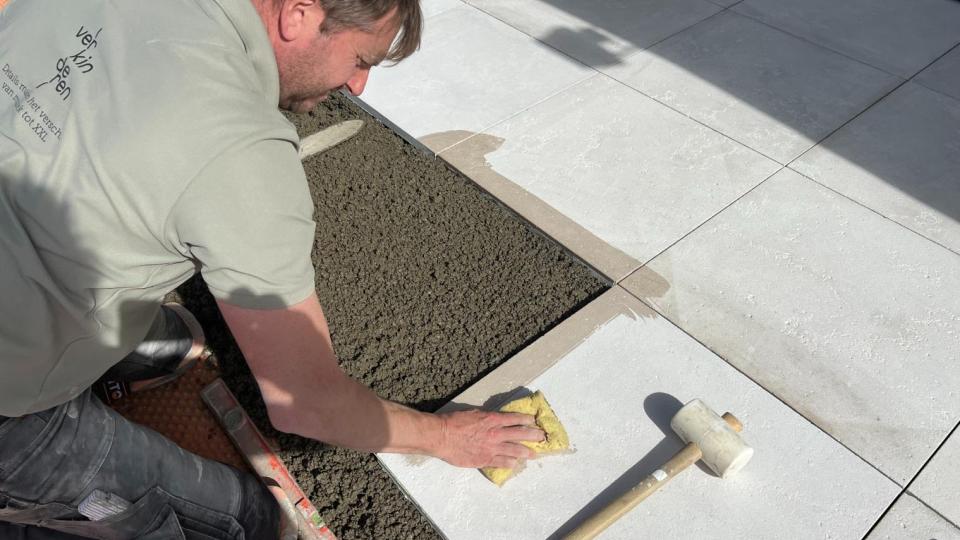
(324, 45)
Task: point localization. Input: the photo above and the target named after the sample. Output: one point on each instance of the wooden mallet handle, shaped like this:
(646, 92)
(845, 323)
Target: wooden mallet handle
(689, 455)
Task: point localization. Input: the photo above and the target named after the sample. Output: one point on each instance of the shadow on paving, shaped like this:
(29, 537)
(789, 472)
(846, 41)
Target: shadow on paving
(428, 284)
(905, 132)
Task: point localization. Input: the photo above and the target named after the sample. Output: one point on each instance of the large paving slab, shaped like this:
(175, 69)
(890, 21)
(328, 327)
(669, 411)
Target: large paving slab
(944, 75)
(937, 483)
(436, 7)
(848, 317)
(471, 72)
(899, 36)
(909, 519)
(610, 173)
(900, 158)
(615, 374)
(776, 93)
(599, 33)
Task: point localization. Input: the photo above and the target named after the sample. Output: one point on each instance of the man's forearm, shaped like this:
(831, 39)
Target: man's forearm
(306, 392)
(344, 412)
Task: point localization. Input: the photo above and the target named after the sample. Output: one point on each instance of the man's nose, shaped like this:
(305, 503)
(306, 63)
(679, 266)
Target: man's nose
(359, 80)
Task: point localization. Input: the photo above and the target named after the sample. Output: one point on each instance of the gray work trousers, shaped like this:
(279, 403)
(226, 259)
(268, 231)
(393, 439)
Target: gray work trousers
(54, 461)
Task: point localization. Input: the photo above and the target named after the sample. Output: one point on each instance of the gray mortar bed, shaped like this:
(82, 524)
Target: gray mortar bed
(428, 284)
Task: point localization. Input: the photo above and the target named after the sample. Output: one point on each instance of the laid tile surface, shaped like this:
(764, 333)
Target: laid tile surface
(619, 381)
(900, 158)
(944, 75)
(599, 33)
(470, 158)
(767, 89)
(937, 483)
(635, 174)
(845, 315)
(471, 72)
(436, 7)
(909, 519)
(898, 36)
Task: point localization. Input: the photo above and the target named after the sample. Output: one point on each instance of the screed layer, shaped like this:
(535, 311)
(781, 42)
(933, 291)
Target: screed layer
(427, 283)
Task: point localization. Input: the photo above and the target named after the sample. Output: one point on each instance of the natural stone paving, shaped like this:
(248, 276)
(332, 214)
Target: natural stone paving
(831, 284)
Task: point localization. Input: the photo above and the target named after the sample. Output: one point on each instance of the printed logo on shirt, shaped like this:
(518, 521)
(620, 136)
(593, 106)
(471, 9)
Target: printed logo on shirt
(82, 60)
(25, 102)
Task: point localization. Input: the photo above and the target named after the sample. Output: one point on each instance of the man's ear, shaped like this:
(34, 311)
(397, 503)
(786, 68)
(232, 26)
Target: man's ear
(300, 18)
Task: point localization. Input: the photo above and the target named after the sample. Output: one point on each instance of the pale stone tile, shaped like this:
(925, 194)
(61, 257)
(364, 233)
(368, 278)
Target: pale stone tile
(431, 8)
(938, 481)
(767, 89)
(472, 71)
(599, 33)
(900, 158)
(944, 75)
(848, 317)
(615, 373)
(898, 36)
(627, 171)
(909, 519)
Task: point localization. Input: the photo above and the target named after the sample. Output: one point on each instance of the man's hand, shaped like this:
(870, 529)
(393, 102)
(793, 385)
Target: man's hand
(486, 439)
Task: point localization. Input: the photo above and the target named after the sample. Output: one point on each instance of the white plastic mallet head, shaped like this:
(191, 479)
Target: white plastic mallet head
(724, 451)
(711, 438)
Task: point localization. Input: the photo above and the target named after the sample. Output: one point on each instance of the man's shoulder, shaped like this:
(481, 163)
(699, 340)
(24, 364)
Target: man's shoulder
(193, 90)
(137, 65)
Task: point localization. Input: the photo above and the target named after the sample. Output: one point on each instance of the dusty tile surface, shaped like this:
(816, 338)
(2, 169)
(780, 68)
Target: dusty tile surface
(938, 481)
(843, 314)
(471, 72)
(900, 158)
(599, 34)
(944, 75)
(767, 89)
(436, 7)
(909, 519)
(623, 354)
(896, 36)
(630, 171)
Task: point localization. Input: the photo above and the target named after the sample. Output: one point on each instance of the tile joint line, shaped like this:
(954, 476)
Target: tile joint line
(778, 398)
(513, 115)
(704, 222)
(906, 487)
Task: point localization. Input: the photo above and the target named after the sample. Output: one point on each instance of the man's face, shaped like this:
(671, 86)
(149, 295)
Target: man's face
(313, 64)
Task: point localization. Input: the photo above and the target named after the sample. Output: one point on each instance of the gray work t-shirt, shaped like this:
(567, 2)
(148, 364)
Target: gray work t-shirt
(140, 141)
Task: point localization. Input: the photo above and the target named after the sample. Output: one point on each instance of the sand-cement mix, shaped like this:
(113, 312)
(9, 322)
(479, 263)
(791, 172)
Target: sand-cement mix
(427, 282)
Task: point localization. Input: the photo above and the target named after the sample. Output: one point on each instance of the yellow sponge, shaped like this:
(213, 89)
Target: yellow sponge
(556, 437)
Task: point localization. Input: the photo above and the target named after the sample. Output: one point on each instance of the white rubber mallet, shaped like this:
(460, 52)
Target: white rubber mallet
(714, 439)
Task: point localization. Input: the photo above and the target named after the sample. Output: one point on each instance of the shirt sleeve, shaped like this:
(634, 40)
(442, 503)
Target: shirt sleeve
(247, 218)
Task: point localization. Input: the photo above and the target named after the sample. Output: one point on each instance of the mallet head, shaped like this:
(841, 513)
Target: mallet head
(724, 451)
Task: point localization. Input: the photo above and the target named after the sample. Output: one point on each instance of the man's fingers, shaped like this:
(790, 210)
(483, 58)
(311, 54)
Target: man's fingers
(515, 450)
(486, 438)
(504, 462)
(516, 419)
(521, 433)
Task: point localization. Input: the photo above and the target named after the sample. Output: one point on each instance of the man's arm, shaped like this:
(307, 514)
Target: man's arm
(291, 355)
